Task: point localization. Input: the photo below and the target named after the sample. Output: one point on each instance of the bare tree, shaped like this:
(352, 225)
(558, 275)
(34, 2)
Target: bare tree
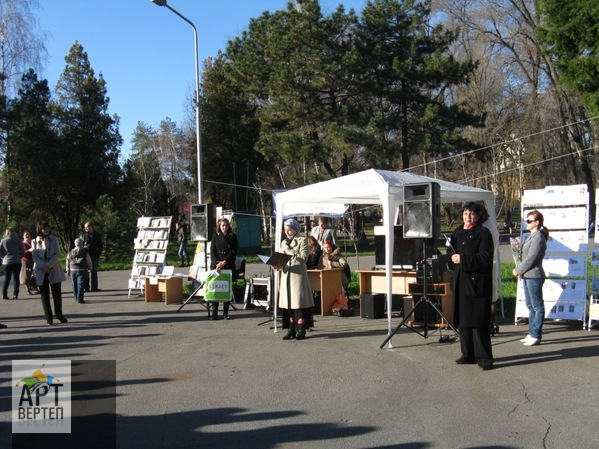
(536, 133)
(21, 43)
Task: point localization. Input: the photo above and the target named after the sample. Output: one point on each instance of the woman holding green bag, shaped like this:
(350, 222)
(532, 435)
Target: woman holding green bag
(223, 252)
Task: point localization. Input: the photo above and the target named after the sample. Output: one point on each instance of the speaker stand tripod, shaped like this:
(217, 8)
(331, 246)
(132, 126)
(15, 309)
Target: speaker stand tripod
(423, 299)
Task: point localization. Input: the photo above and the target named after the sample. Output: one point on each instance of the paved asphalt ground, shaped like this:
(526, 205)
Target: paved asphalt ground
(186, 382)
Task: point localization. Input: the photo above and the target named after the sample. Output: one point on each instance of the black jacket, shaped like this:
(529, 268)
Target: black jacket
(472, 280)
(93, 242)
(224, 247)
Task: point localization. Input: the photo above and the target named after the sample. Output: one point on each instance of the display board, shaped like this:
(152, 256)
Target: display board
(150, 246)
(565, 210)
(594, 303)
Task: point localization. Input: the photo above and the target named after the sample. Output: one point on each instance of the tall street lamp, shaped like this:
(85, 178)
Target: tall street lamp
(197, 99)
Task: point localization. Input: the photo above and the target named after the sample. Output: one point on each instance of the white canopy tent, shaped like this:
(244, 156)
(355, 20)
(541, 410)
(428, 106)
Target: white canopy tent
(371, 187)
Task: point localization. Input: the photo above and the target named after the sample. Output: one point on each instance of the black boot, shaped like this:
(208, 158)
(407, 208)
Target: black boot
(301, 330)
(291, 332)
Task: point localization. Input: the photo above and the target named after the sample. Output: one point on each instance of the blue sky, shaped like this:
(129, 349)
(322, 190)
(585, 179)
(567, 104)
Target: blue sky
(146, 52)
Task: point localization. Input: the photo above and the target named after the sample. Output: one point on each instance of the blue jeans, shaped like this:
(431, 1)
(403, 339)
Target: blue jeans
(533, 295)
(183, 252)
(78, 278)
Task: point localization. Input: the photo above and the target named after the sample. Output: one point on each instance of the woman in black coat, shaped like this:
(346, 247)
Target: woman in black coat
(223, 252)
(472, 286)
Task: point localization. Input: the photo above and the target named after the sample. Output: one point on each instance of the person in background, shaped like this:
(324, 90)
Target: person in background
(182, 240)
(78, 264)
(485, 219)
(223, 252)
(531, 271)
(48, 272)
(295, 294)
(323, 232)
(11, 252)
(332, 258)
(92, 240)
(314, 261)
(27, 278)
(471, 249)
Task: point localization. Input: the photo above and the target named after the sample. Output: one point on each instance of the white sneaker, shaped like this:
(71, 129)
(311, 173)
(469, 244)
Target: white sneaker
(533, 342)
(525, 339)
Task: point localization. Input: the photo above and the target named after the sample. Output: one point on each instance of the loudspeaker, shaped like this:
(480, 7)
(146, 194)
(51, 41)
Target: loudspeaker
(421, 210)
(418, 316)
(202, 222)
(372, 305)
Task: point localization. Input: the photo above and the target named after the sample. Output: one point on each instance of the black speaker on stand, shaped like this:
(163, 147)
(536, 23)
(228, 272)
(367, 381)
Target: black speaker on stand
(421, 215)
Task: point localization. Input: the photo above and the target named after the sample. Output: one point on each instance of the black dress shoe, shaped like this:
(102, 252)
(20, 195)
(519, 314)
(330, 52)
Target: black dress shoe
(62, 319)
(464, 361)
(486, 367)
(301, 335)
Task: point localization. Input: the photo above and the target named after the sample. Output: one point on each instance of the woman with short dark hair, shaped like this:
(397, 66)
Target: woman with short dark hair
(472, 253)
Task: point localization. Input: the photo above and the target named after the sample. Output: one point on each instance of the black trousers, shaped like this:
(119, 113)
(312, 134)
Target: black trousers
(56, 296)
(475, 343)
(213, 309)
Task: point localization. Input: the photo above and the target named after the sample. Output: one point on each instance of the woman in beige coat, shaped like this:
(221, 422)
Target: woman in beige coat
(48, 272)
(295, 294)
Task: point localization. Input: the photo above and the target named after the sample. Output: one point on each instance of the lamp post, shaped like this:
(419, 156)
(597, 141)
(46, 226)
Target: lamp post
(197, 99)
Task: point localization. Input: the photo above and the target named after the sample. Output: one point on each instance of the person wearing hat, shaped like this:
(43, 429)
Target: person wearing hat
(79, 263)
(295, 294)
(332, 258)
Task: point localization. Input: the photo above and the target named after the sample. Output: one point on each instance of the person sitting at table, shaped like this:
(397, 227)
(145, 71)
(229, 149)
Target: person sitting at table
(314, 261)
(332, 258)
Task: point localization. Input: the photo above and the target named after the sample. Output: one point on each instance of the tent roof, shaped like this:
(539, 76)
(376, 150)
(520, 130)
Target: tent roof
(370, 186)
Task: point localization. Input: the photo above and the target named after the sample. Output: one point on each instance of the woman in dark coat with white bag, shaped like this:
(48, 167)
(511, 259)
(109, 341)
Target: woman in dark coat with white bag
(472, 286)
